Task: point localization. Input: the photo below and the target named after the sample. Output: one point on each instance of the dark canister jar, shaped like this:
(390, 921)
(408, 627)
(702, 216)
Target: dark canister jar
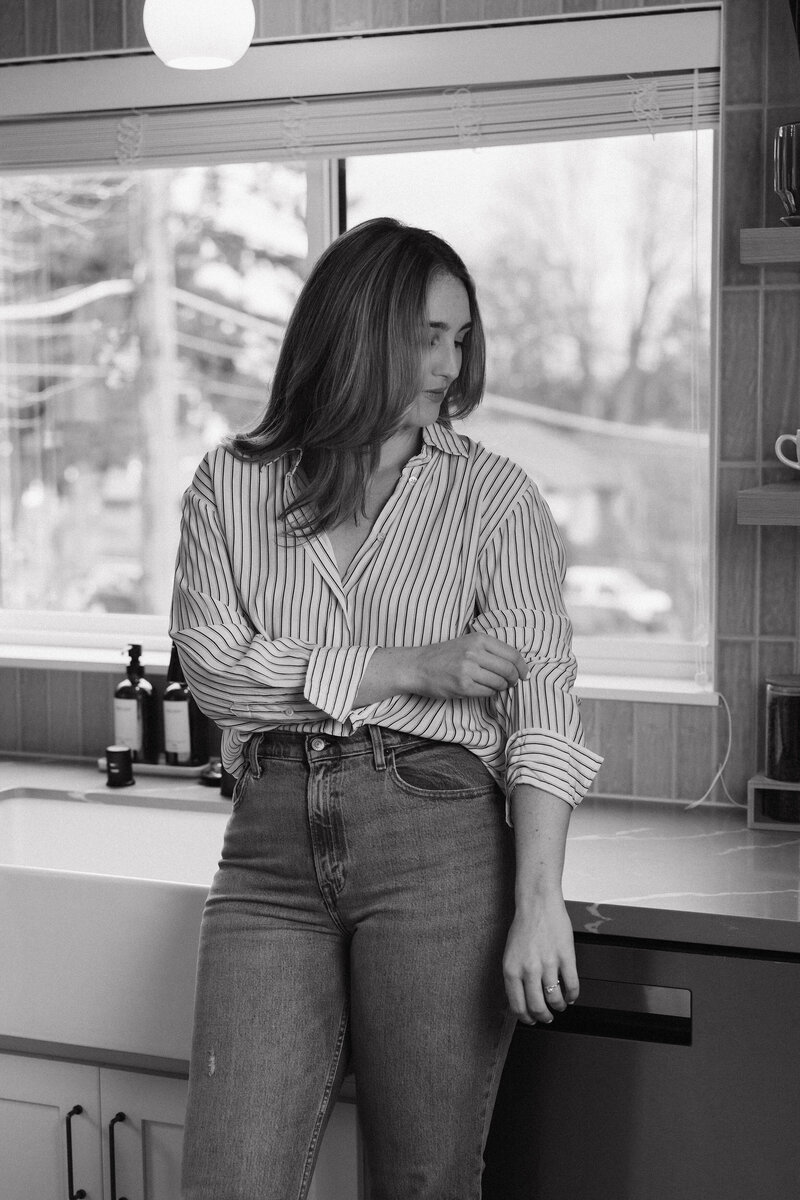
(783, 728)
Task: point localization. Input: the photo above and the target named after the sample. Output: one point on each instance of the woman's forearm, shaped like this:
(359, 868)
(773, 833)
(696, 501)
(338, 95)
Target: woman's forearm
(539, 966)
(541, 821)
(475, 664)
(389, 673)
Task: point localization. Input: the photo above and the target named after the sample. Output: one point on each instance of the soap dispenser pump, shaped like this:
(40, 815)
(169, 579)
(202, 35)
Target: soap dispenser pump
(135, 711)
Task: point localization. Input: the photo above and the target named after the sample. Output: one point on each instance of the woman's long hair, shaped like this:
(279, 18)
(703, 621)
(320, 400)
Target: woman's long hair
(351, 361)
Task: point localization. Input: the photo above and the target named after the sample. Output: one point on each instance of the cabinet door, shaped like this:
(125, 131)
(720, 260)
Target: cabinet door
(35, 1097)
(336, 1174)
(147, 1143)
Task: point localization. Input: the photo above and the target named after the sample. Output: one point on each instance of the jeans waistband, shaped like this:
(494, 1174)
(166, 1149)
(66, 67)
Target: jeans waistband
(373, 740)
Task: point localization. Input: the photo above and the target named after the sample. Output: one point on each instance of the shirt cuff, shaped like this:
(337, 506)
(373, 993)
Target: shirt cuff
(333, 678)
(551, 762)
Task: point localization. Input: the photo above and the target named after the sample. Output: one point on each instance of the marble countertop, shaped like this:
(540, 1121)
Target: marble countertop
(634, 869)
(649, 869)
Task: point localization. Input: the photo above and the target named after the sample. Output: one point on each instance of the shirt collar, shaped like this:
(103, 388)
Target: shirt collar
(293, 460)
(443, 438)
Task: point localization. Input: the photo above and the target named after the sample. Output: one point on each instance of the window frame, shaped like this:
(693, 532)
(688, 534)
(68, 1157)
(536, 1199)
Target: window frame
(652, 671)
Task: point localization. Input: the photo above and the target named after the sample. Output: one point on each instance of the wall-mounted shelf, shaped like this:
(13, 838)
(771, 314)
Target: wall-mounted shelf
(773, 504)
(772, 804)
(770, 247)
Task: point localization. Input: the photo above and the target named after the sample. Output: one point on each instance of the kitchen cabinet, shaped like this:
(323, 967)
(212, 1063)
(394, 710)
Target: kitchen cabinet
(675, 1075)
(129, 1123)
(45, 1104)
(142, 1119)
(35, 1098)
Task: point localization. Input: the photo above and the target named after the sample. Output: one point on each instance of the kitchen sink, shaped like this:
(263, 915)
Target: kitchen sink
(101, 895)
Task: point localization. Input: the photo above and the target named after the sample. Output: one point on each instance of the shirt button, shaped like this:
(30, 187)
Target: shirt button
(317, 744)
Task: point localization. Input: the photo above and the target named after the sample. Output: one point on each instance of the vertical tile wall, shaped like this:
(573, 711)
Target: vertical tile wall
(657, 750)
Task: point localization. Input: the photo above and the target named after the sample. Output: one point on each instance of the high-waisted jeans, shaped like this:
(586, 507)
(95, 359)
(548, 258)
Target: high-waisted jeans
(357, 921)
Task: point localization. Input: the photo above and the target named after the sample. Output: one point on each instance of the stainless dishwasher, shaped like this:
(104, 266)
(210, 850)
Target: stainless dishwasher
(675, 1077)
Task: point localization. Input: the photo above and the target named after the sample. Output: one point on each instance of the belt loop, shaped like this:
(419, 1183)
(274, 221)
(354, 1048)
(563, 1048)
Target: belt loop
(251, 751)
(377, 747)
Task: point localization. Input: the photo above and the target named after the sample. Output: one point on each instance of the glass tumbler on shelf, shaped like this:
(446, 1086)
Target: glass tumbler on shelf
(783, 728)
(786, 170)
(782, 747)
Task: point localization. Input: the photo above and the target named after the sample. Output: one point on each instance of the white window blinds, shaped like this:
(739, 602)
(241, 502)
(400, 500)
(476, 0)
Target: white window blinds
(555, 80)
(365, 124)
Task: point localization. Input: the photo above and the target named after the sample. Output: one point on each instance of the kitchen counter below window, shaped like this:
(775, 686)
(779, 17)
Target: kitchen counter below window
(634, 868)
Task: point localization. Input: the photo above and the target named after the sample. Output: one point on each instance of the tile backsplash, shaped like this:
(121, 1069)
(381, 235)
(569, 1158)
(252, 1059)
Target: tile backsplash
(659, 750)
(63, 712)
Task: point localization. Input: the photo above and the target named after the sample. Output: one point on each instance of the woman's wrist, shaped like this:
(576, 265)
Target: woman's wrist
(390, 672)
(533, 895)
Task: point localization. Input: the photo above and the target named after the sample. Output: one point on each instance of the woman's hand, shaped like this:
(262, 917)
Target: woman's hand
(476, 664)
(539, 954)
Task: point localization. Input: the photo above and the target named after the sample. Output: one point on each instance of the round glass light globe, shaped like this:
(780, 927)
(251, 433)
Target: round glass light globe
(199, 35)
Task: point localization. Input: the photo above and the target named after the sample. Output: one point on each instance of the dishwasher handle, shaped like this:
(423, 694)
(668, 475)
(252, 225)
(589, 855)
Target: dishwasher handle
(632, 1011)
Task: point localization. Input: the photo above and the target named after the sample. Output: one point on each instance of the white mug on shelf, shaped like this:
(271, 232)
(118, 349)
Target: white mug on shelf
(794, 438)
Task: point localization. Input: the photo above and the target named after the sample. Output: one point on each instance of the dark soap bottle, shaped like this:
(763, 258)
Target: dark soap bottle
(135, 716)
(185, 727)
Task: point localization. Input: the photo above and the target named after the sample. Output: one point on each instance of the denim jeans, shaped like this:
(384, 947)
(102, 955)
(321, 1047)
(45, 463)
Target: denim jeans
(357, 921)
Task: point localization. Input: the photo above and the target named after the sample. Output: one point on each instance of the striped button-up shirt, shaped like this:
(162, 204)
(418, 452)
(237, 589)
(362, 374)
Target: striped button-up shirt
(270, 635)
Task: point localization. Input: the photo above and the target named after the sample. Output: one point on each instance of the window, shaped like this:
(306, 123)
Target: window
(593, 266)
(141, 314)
(149, 260)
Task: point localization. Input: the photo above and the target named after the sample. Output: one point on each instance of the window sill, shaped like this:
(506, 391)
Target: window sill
(587, 687)
(643, 689)
(78, 658)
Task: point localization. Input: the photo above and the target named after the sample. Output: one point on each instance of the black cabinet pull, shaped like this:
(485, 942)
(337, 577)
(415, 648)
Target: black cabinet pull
(112, 1154)
(75, 1111)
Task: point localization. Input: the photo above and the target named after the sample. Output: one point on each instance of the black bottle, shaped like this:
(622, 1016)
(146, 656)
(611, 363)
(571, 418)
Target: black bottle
(185, 728)
(135, 712)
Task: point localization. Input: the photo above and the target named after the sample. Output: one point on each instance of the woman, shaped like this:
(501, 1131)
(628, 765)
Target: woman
(369, 606)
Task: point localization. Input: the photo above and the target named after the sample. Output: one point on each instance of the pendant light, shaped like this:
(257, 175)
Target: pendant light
(199, 35)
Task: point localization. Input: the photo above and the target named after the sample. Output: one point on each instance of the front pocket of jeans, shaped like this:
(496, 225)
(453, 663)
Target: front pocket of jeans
(440, 771)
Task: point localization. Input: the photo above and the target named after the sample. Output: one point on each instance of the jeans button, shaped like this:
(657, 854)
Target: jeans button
(317, 744)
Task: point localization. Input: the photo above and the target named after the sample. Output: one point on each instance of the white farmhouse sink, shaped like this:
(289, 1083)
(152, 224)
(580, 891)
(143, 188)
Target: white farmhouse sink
(101, 895)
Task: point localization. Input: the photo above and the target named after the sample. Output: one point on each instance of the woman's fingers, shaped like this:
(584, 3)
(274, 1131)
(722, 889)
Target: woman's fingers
(489, 681)
(504, 659)
(540, 1002)
(515, 991)
(476, 664)
(553, 995)
(494, 663)
(532, 999)
(570, 985)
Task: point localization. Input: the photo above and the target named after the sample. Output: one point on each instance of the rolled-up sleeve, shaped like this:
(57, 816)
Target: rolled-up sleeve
(519, 600)
(238, 676)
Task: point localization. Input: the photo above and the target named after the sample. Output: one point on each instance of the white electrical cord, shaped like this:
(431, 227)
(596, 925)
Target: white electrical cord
(719, 776)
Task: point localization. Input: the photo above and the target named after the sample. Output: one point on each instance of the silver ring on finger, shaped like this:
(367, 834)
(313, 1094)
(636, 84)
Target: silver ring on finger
(552, 988)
